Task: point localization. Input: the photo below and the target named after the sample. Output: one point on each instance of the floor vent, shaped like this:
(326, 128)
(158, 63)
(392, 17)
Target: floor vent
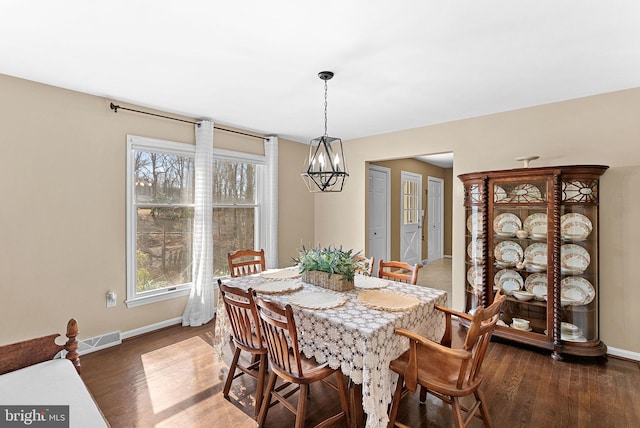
(97, 343)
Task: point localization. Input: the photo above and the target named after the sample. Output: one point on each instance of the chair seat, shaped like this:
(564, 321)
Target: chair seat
(436, 373)
(311, 369)
(248, 347)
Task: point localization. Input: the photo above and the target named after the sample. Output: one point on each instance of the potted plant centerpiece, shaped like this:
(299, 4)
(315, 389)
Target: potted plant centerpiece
(328, 267)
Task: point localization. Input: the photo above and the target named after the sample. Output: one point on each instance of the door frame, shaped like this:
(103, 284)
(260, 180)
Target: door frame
(387, 172)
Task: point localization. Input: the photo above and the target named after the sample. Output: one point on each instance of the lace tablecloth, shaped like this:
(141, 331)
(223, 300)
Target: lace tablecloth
(359, 339)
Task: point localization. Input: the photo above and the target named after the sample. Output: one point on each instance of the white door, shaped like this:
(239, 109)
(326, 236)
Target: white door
(379, 214)
(411, 218)
(435, 209)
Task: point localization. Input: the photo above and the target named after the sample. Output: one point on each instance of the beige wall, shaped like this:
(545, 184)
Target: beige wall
(62, 245)
(602, 129)
(425, 170)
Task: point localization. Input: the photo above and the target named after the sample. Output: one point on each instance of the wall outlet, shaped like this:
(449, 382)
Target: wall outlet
(111, 299)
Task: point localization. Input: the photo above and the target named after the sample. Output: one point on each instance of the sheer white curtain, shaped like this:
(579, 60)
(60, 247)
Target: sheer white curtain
(201, 306)
(270, 235)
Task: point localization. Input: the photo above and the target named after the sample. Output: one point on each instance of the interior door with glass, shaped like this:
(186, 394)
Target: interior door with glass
(411, 218)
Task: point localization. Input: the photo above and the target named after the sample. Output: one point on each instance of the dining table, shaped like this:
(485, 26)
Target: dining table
(353, 330)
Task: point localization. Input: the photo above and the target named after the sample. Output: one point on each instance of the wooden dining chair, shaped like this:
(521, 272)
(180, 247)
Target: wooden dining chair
(366, 263)
(399, 271)
(246, 262)
(246, 335)
(286, 362)
(448, 373)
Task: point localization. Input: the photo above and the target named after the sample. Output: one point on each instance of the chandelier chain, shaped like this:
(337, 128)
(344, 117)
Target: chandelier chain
(325, 108)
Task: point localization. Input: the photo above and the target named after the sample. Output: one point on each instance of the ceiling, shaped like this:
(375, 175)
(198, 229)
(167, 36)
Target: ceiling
(254, 64)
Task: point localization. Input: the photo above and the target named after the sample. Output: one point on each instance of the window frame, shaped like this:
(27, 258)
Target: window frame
(183, 149)
(260, 162)
(159, 146)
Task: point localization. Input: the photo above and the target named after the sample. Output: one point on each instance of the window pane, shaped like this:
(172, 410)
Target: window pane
(233, 229)
(163, 178)
(163, 254)
(234, 182)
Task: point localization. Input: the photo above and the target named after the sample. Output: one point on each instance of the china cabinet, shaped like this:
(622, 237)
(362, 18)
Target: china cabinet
(533, 233)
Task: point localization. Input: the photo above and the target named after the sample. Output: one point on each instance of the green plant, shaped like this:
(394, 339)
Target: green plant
(331, 260)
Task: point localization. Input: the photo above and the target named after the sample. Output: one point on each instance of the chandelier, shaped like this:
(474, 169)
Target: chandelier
(325, 169)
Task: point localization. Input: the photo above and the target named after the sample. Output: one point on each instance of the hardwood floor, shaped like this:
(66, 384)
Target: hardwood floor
(173, 378)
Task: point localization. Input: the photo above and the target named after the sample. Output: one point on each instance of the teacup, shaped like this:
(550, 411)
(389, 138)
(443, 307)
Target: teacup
(520, 323)
(522, 233)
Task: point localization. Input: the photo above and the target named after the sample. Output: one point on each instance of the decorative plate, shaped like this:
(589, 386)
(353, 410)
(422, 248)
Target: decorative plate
(573, 259)
(474, 276)
(474, 224)
(474, 249)
(388, 300)
(278, 287)
(499, 195)
(364, 281)
(575, 227)
(508, 252)
(280, 273)
(526, 193)
(536, 224)
(536, 254)
(508, 280)
(506, 224)
(578, 289)
(317, 300)
(536, 283)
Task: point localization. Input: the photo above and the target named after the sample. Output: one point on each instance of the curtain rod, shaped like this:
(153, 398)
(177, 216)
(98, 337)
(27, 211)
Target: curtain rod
(115, 108)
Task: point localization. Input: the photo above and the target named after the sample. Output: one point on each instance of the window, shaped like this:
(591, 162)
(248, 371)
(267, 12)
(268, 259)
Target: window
(235, 209)
(160, 207)
(411, 202)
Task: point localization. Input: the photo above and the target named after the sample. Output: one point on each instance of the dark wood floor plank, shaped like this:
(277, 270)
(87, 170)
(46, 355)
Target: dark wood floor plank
(173, 378)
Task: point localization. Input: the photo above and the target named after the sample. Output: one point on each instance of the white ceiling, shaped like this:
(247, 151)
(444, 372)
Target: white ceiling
(254, 63)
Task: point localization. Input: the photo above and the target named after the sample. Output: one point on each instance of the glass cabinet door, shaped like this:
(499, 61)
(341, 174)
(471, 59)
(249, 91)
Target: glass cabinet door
(475, 244)
(578, 261)
(519, 252)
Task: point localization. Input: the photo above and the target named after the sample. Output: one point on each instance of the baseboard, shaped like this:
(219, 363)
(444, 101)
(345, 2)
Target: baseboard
(447, 256)
(151, 327)
(107, 340)
(622, 353)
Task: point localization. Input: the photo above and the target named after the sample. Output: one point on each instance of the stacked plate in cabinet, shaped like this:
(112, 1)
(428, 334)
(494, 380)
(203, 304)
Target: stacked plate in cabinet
(575, 227)
(508, 280)
(535, 257)
(536, 283)
(508, 253)
(571, 333)
(574, 259)
(536, 225)
(506, 224)
(578, 290)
